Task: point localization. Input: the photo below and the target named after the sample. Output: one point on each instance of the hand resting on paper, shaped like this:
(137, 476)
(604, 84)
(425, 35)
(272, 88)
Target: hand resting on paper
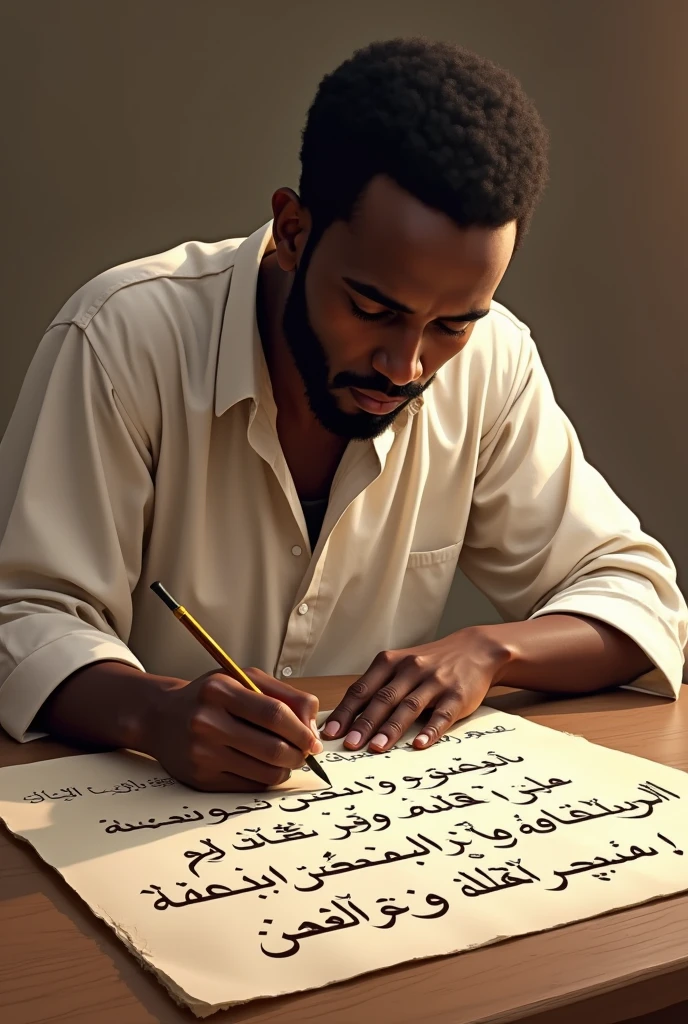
(452, 676)
(557, 653)
(211, 733)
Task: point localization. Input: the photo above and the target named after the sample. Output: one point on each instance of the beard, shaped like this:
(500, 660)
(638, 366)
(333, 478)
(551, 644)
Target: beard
(311, 361)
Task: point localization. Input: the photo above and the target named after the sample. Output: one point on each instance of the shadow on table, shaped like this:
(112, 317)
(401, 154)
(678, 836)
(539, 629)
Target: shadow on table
(530, 703)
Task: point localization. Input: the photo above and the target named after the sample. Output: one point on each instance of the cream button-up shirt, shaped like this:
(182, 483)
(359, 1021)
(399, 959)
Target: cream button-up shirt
(143, 447)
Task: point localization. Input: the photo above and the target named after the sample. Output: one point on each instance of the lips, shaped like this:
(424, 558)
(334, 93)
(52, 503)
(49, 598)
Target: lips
(378, 406)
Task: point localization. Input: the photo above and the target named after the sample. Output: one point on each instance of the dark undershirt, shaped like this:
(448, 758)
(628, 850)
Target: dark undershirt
(314, 514)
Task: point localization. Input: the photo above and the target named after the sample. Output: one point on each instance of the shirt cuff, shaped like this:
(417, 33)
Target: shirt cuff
(34, 679)
(642, 625)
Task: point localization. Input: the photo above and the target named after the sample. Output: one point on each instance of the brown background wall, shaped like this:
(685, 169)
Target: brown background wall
(130, 125)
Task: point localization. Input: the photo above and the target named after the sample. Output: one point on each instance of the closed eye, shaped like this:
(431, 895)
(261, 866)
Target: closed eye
(385, 314)
(362, 315)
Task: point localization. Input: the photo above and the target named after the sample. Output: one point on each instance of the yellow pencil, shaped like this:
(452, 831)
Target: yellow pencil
(221, 657)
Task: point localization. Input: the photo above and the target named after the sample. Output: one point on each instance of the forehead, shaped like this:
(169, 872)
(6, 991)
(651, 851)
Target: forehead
(411, 251)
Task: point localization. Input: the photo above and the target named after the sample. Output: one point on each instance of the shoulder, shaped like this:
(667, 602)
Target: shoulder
(154, 325)
(134, 283)
(498, 344)
(485, 376)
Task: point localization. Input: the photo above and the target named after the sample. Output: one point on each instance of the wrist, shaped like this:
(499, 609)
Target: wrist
(107, 704)
(145, 718)
(495, 647)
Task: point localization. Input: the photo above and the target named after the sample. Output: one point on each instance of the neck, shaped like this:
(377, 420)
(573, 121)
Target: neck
(287, 386)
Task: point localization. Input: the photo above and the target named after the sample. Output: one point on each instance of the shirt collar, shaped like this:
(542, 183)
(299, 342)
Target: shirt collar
(240, 357)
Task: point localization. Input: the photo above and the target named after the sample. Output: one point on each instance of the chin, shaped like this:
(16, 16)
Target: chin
(359, 425)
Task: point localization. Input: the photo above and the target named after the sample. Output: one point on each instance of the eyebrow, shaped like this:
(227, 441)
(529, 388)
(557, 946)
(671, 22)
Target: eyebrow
(369, 291)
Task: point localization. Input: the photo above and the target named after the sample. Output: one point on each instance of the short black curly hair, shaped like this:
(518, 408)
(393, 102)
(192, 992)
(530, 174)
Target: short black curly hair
(450, 127)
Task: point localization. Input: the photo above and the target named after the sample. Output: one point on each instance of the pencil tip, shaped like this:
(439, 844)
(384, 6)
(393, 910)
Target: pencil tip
(318, 769)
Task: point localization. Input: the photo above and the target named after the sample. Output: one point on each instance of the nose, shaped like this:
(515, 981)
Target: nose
(400, 360)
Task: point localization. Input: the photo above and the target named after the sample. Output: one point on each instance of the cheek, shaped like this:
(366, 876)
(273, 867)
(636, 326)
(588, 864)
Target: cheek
(345, 339)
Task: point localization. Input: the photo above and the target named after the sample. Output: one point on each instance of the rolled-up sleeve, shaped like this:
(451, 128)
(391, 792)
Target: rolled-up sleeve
(77, 493)
(547, 534)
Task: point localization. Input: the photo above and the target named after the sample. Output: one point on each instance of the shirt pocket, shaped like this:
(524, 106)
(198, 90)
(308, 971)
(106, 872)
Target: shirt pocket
(438, 557)
(425, 589)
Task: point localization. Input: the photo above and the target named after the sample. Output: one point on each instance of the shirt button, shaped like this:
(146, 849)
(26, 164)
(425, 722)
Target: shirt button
(296, 550)
(287, 671)
(303, 608)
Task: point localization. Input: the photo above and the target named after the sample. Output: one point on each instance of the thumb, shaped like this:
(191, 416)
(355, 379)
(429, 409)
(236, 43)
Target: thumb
(304, 705)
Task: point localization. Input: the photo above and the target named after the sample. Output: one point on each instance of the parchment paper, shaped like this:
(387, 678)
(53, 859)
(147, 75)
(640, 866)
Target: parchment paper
(503, 828)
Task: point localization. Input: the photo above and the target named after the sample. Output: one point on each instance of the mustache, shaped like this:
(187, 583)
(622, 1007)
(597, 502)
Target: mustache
(378, 382)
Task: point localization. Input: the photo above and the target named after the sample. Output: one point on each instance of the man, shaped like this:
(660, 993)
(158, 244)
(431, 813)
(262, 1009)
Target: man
(302, 434)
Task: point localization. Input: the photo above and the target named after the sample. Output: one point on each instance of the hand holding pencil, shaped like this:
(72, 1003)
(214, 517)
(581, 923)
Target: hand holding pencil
(236, 731)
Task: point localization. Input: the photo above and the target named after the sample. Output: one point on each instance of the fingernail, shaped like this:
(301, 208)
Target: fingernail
(331, 730)
(379, 741)
(422, 739)
(314, 728)
(353, 738)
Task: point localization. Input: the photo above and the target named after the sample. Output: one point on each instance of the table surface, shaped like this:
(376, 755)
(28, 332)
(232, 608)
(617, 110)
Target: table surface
(60, 963)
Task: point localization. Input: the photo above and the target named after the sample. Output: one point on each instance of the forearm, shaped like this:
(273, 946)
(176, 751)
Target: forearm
(107, 704)
(566, 654)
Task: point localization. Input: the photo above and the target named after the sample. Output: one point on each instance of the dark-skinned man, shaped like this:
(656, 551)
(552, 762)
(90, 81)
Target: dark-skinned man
(303, 434)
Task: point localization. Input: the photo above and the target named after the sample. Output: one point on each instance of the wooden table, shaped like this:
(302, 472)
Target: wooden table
(58, 963)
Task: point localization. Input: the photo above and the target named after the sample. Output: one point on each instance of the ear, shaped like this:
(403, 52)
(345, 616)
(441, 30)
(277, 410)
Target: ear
(291, 227)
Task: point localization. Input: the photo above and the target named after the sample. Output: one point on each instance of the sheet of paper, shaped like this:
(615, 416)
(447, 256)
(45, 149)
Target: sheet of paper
(503, 828)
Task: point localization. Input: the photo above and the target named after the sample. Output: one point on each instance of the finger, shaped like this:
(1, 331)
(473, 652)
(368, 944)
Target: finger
(405, 714)
(258, 708)
(257, 743)
(449, 710)
(218, 768)
(304, 705)
(223, 782)
(398, 689)
(359, 693)
(237, 763)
